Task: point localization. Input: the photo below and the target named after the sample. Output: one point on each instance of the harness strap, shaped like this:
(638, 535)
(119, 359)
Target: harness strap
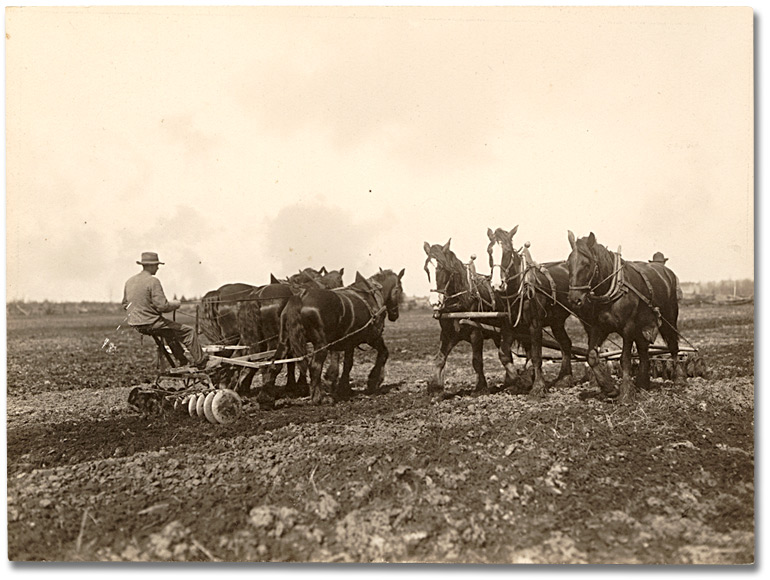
(644, 277)
(648, 301)
(551, 281)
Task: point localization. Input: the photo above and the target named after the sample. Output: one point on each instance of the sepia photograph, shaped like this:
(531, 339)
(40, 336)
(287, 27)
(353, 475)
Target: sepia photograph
(380, 285)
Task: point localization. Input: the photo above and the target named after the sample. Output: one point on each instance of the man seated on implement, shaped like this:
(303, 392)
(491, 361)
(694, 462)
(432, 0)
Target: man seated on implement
(145, 302)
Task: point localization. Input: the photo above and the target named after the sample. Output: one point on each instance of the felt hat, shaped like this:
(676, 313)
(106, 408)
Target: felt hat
(149, 258)
(659, 257)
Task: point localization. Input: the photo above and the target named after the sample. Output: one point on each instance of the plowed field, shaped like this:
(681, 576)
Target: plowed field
(392, 477)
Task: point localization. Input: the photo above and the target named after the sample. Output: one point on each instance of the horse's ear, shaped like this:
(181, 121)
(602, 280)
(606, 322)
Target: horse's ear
(401, 273)
(381, 270)
(359, 277)
(591, 239)
(342, 271)
(426, 247)
(273, 279)
(322, 270)
(490, 235)
(445, 247)
(571, 238)
(513, 232)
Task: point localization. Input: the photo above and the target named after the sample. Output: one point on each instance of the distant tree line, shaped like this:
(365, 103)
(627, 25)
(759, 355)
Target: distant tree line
(16, 308)
(744, 288)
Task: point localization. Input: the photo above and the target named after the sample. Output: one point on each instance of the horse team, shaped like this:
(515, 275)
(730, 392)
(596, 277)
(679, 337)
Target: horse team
(311, 306)
(521, 297)
(516, 302)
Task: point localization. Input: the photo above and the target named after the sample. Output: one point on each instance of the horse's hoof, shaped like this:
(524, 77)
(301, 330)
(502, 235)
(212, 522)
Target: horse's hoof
(437, 396)
(435, 389)
(642, 383)
(627, 399)
(564, 382)
(266, 405)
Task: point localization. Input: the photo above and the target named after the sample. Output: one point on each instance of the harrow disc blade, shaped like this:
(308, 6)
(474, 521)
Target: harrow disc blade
(207, 408)
(226, 406)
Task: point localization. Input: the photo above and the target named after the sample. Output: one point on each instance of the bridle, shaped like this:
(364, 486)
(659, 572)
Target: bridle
(589, 287)
(391, 302)
(617, 286)
(505, 271)
(453, 274)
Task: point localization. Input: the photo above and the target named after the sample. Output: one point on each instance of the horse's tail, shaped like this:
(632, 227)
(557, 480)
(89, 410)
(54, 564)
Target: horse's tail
(249, 322)
(293, 330)
(670, 312)
(209, 317)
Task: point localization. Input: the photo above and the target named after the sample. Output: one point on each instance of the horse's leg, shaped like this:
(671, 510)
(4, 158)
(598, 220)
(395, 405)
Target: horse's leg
(536, 352)
(243, 386)
(596, 336)
(477, 347)
(449, 340)
(318, 338)
(316, 368)
(332, 373)
(343, 385)
(522, 379)
(672, 342)
(291, 383)
(627, 387)
(504, 354)
(643, 372)
(377, 374)
(564, 380)
(267, 394)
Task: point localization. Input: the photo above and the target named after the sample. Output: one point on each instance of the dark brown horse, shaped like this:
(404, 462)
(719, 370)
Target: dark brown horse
(634, 299)
(339, 320)
(535, 296)
(458, 290)
(219, 313)
(250, 316)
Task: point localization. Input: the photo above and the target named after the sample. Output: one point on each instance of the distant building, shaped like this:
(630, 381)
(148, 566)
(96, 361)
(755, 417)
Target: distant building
(691, 288)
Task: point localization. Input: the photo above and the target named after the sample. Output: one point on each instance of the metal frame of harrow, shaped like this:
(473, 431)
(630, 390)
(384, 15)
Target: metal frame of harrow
(578, 353)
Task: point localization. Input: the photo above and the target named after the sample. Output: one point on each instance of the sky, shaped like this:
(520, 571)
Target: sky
(238, 141)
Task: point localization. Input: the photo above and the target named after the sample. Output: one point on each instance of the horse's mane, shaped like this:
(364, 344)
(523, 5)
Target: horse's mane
(604, 257)
(447, 259)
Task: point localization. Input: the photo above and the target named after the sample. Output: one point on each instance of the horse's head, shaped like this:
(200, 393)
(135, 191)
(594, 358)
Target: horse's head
(392, 292)
(304, 277)
(442, 268)
(583, 267)
(331, 279)
(502, 257)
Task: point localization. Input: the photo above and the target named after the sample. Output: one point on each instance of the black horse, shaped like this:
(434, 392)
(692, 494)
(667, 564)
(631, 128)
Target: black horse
(263, 314)
(338, 320)
(241, 314)
(634, 299)
(535, 296)
(459, 290)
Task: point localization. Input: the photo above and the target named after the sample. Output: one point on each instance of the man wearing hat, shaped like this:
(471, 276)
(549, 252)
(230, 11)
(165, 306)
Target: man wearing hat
(659, 258)
(145, 302)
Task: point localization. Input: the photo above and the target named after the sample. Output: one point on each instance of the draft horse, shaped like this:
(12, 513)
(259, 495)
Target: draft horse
(634, 299)
(250, 315)
(338, 320)
(458, 289)
(534, 296)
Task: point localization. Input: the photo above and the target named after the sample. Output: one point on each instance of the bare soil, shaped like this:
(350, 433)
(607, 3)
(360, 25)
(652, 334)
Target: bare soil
(393, 477)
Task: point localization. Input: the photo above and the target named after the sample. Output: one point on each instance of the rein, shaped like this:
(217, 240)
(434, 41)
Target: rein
(617, 285)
